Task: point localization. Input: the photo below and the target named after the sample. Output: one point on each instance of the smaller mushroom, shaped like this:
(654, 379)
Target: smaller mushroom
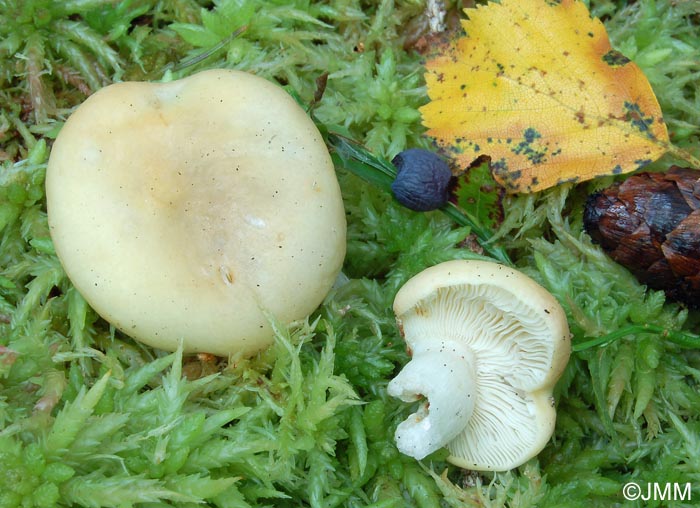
(422, 180)
(488, 345)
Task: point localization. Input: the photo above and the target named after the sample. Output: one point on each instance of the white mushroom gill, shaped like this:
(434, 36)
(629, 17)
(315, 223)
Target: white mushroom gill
(488, 344)
(449, 392)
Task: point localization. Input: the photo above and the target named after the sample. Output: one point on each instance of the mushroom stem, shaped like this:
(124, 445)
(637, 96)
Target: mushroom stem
(445, 377)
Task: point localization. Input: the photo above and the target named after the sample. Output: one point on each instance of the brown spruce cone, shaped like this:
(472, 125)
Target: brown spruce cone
(650, 223)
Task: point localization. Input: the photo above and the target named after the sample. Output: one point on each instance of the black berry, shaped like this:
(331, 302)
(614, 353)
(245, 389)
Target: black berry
(422, 180)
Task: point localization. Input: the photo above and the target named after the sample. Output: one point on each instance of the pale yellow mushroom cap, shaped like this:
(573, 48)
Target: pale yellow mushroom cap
(196, 209)
(488, 345)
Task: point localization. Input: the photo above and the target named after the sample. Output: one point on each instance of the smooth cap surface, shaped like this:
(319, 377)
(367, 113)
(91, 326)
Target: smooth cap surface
(188, 210)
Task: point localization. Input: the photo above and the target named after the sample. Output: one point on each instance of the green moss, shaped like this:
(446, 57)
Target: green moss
(54, 54)
(90, 418)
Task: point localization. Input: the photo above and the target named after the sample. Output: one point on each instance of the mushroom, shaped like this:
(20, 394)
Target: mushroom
(488, 344)
(196, 210)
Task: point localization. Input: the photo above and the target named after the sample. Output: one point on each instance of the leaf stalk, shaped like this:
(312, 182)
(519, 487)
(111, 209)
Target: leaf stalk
(685, 155)
(680, 338)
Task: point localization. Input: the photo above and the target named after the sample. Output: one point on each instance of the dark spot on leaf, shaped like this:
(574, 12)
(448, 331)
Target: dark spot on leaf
(500, 167)
(456, 149)
(635, 116)
(535, 154)
(531, 134)
(642, 163)
(615, 59)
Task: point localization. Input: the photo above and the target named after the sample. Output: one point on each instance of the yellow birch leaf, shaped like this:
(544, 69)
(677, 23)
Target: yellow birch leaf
(536, 86)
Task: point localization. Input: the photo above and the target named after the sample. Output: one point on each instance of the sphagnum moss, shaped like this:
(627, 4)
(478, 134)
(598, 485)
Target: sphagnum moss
(89, 418)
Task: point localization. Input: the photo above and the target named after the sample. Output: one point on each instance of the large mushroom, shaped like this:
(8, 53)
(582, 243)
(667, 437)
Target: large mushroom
(488, 344)
(196, 210)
